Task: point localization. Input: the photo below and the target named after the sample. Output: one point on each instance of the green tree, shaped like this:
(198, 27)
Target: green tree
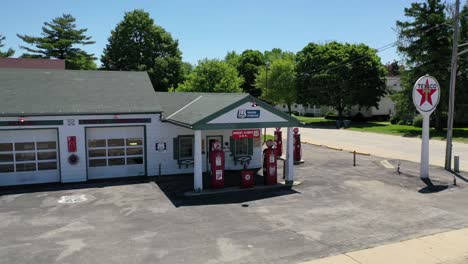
(277, 53)
(281, 86)
(340, 75)
(212, 76)
(461, 93)
(232, 58)
(7, 53)
(59, 39)
(250, 62)
(187, 68)
(138, 44)
(425, 43)
(393, 69)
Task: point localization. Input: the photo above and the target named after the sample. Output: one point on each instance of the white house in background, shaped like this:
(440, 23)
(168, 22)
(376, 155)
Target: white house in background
(72, 126)
(301, 109)
(386, 104)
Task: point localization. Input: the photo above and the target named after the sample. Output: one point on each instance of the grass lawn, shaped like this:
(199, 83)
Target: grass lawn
(459, 134)
(315, 121)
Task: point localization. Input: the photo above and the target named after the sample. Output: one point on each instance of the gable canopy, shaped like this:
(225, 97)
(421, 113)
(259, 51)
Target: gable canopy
(211, 111)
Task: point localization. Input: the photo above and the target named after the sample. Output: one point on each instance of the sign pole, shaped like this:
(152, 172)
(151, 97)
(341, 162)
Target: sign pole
(424, 172)
(426, 95)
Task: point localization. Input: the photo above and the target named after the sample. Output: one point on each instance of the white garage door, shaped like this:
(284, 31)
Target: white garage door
(28, 156)
(115, 152)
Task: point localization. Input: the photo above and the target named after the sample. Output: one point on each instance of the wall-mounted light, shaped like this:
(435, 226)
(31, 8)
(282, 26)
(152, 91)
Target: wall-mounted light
(21, 119)
(116, 116)
(254, 103)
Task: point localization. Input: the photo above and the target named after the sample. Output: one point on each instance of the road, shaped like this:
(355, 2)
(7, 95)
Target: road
(388, 146)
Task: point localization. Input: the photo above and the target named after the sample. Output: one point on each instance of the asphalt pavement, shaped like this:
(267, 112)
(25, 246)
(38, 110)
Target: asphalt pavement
(338, 208)
(395, 147)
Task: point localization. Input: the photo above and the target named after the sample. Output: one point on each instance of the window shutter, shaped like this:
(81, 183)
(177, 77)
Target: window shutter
(250, 146)
(175, 148)
(232, 146)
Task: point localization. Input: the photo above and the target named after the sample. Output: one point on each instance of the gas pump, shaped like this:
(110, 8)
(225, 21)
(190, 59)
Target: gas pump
(269, 164)
(297, 146)
(217, 166)
(279, 142)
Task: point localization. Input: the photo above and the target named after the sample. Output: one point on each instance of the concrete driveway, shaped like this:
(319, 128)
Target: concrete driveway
(337, 208)
(389, 146)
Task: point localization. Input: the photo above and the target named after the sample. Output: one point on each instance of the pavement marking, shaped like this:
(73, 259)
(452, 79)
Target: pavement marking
(386, 164)
(443, 248)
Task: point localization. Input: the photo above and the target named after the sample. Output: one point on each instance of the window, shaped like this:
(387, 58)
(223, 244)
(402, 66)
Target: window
(185, 147)
(28, 156)
(242, 147)
(115, 152)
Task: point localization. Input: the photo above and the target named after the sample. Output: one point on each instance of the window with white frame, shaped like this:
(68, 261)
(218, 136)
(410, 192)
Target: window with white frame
(184, 147)
(241, 147)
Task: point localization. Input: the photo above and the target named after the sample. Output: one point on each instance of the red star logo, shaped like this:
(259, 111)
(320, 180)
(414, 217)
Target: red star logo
(426, 93)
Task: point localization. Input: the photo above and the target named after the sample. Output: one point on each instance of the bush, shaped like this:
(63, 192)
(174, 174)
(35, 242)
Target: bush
(309, 115)
(394, 120)
(359, 117)
(418, 121)
(331, 117)
(296, 113)
(402, 122)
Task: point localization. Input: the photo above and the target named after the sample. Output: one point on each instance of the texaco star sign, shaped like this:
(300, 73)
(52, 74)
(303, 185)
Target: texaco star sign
(426, 94)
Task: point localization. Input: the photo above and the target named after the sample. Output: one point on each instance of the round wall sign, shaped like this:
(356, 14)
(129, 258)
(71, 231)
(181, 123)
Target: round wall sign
(217, 145)
(270, 143)
(73, 159)
(426, 94)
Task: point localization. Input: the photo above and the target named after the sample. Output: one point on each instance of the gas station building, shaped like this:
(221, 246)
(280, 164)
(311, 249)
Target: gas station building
(75, 126)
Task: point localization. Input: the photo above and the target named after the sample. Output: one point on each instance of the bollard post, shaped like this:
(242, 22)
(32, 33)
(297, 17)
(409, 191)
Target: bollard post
(456, 163)
(354, 158)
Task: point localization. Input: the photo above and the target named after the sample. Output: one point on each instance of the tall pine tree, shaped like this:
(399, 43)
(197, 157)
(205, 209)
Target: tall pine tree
(7, 53)
(59, 39)
(425, 43)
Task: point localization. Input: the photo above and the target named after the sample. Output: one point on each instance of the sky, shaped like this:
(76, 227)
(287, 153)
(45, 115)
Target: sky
(211, 28)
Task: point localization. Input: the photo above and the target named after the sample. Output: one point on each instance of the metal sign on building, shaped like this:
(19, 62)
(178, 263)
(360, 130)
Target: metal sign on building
(244, 113)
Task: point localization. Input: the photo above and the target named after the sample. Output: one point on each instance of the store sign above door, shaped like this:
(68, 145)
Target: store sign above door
(244, 113)
(246, 133)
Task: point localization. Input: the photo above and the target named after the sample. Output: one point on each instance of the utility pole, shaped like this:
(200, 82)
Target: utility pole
(453, 78)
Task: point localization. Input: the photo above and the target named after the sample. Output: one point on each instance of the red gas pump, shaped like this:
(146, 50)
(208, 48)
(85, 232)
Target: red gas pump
(269, 164)
(297, 146)
(279, 142)
(247, 178)
(217, 166)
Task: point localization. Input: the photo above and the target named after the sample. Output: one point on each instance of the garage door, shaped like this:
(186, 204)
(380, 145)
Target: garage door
(28, 156)
(115, 152)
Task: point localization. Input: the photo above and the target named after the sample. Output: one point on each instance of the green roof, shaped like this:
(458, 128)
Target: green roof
(69, 92)
(66, 92)
(189, 108)
(195, 110)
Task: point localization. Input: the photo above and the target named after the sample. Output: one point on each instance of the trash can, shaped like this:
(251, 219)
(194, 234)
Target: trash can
(346, 123)
(247, 179)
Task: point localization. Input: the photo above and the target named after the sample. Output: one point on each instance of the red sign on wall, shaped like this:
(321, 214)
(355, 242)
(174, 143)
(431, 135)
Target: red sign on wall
(71, 143)
(246, 133)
